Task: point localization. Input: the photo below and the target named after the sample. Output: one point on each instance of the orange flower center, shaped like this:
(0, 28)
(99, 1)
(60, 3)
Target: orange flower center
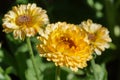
(23, 20)
(91, 37)
(68, 41)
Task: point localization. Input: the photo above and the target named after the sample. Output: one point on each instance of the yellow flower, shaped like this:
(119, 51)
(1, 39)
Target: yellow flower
(98, 36)
(65, 45)
(25, 20)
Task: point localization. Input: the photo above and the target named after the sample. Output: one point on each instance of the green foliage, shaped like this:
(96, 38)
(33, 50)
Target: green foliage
(15, 62)
(4, 75)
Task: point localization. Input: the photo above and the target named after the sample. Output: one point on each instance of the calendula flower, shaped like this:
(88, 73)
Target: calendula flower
(25, 20)
(98, 36)
(65, 45)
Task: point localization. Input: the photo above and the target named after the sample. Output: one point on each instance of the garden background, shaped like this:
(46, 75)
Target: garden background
(15, 63)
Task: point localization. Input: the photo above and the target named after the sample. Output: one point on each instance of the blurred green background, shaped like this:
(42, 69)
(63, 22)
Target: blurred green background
(15, 63)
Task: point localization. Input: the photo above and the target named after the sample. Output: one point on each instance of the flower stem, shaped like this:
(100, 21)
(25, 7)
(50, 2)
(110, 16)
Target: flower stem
(94, 69)
(32, 57)
(57, 77)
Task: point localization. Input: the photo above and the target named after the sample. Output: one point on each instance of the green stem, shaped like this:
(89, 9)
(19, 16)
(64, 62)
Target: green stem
(57, 77)
(94, 69)
(110, 15)
(32, 57)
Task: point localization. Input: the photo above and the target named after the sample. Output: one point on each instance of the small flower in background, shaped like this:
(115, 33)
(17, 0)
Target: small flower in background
(25, 20)
(65, 45)
(98, 36)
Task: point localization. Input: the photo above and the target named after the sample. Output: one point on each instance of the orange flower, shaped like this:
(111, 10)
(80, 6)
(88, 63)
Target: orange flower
(98, 36)
(25, 20)
(65, 45)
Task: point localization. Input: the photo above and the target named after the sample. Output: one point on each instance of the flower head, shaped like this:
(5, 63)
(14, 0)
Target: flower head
(25, 20)
(98, 36)
(65, 45)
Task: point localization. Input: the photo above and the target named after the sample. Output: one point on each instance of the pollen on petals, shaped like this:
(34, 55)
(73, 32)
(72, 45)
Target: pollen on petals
(25, 20)
(98, 36)
(65, 45)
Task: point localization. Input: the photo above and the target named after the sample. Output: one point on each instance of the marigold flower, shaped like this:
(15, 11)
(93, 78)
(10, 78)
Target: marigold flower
(25, 20)
(65, 45)
(98, 36)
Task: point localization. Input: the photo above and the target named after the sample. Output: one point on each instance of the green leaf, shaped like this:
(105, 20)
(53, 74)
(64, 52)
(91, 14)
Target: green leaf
(30, 73)
(21, 65)
(101, 71)
(3, 75)
(23, 48)
(9, 70)
(1, 55)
